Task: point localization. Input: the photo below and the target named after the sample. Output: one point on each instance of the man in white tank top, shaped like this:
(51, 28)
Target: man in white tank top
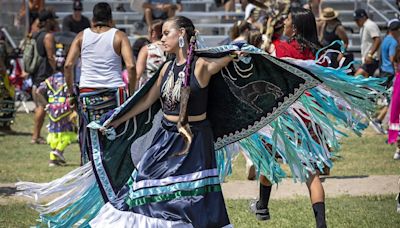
(101, 87)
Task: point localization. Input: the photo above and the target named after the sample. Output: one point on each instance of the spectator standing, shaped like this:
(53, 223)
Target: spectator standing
(388, 51)
(76, 22)
(330, 30)
(387, 68)
(370, 41)
(46, 49)
(101, 87)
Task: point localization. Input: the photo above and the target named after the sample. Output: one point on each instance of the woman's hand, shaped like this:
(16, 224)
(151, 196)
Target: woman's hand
(113, 124)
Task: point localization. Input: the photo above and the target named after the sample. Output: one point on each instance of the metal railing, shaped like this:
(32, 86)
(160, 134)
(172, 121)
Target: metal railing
(371, 6)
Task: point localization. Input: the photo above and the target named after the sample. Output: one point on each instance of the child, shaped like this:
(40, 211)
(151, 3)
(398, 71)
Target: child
(61, 128)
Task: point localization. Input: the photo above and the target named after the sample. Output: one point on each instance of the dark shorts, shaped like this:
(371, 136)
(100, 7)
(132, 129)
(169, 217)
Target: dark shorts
(370, 68)
(389, 78)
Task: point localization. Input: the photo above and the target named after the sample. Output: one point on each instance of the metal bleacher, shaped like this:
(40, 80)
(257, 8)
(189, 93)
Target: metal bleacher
(208, 19)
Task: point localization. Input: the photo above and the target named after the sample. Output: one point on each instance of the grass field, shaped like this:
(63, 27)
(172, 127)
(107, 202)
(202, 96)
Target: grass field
(369, 155)
(372, 211)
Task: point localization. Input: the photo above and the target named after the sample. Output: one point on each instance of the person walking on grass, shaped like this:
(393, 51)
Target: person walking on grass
(387, 68)
(370, 42)
(101, 88)
(302, 44)
(46, 48)
(61, 127)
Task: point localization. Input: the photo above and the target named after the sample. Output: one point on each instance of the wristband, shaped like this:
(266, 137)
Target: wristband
(233, 56)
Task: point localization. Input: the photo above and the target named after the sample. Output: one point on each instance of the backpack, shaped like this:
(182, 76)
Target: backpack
(31, 56)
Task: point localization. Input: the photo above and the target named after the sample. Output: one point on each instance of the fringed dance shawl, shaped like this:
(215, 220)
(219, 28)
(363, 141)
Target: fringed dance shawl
(243, 98)
(253, 103)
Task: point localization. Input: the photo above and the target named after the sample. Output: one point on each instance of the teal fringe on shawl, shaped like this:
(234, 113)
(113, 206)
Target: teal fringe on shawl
(263, 159)
(84, 209)
(341, 101)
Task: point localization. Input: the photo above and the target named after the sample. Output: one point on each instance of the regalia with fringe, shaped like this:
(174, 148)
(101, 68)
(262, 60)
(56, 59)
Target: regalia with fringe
(252, 103)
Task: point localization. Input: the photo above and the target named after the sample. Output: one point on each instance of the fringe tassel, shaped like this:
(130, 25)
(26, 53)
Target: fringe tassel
(176, 92)
(168, 85)
(75, 198)
(224, 157)
(341, 101)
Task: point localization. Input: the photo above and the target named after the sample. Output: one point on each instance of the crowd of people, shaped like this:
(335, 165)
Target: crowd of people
(100, 80)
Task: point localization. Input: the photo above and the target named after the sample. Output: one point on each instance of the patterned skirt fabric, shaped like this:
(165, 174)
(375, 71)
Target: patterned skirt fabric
(172, 190)
(93, 104)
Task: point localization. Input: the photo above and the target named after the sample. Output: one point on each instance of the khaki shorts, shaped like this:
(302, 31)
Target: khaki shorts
(38, 102)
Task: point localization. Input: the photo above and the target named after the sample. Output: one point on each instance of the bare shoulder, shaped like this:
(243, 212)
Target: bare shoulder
(120, 35)
(164, 68)
(78, 39)
(79, 36)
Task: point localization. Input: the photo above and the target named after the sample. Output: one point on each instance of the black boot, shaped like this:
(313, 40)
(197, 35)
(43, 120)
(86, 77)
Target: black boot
(260, 207)
(319, 212)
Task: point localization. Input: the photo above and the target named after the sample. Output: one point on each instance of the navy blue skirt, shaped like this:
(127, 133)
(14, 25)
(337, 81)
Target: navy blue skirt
(184, 189)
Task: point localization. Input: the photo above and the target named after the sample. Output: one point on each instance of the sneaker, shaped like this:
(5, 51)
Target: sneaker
(53, 163)
(261, 214)
(59, 155)
(396, 155)
(377, 127)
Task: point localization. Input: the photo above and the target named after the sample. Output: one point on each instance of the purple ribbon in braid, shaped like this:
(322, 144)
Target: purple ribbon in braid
(183, 123)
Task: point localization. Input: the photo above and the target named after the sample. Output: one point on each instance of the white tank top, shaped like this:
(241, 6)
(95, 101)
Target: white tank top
(101, 66)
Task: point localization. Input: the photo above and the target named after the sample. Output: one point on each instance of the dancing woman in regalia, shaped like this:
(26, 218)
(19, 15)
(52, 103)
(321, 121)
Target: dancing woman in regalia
(158, 159)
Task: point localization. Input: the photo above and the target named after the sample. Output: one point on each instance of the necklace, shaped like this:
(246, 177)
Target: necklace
(171, 89)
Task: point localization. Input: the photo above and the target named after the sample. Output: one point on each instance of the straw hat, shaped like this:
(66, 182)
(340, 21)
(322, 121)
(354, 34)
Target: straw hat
(329, 14)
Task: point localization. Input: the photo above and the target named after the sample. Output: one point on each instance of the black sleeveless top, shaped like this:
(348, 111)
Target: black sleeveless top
(331, 36)
(197, 103)
(44, 69)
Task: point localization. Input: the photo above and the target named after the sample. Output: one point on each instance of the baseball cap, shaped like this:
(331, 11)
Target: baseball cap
(394, 25)
(78, 5)
(359, 13)
(46, 14)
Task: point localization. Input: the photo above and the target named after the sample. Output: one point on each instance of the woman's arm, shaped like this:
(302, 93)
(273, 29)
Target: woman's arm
(145, 102)
(341, 33)
(49, 47)
(206, 67)
(141, 63)
(73, 55)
